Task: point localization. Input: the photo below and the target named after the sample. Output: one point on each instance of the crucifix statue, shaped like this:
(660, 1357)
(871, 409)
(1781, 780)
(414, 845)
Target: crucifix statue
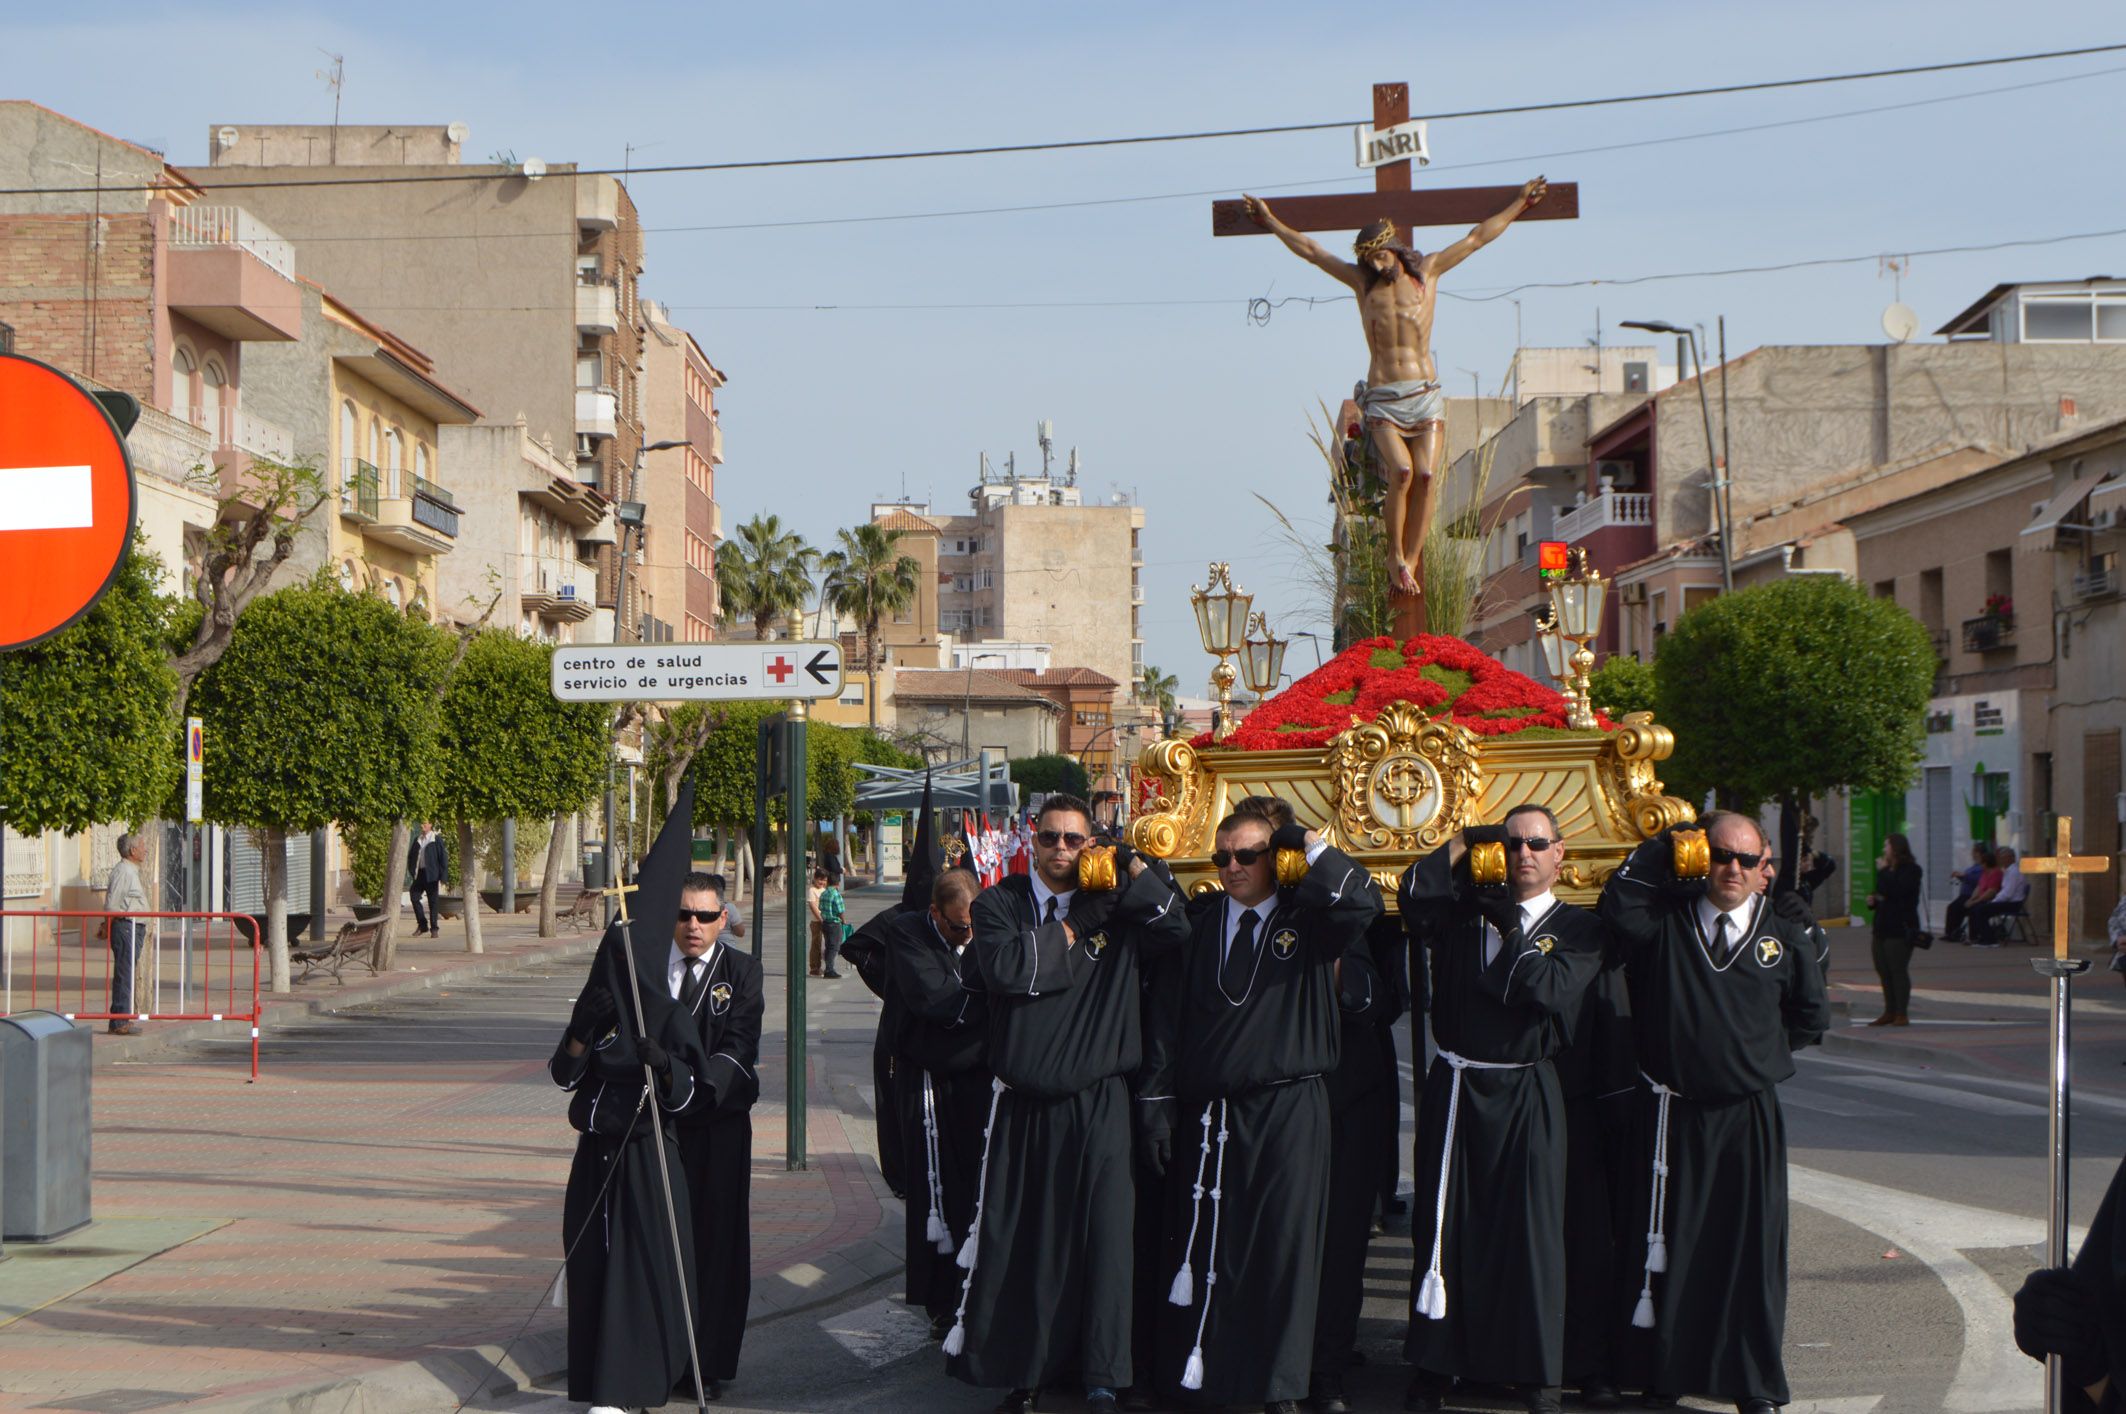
(2062, 865)
(1397, 288)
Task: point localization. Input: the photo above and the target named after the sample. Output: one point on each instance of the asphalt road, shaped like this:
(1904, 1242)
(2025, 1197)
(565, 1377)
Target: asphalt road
(1918, 1204)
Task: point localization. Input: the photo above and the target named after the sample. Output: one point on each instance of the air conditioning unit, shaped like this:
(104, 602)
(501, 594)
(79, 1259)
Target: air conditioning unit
(1617, 473)
(2105, 519)
(1631, 594)
(566, 593)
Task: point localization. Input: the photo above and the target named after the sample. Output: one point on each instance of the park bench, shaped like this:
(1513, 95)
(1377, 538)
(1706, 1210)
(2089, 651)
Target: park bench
(356, 941)
(583, 913)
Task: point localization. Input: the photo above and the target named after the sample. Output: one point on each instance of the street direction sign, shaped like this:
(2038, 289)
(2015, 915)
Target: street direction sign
(195, 769)
(697, 672)
(67, 501)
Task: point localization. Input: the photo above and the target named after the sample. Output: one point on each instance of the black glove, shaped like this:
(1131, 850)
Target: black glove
(1292, 836)
(1791, 906)
(1155, 1135)
(1665, 858)
(655, 1057)
(1484, 834)
(1123, 855)
(2056, 1315)
(1090, 911)
(596, 1010)
(1159, 1152)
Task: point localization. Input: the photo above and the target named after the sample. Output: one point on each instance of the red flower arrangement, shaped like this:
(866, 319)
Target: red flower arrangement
(1441, 676)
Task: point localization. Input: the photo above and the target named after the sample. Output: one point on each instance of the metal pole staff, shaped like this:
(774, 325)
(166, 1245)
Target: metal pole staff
(799, 936)
(619, 893)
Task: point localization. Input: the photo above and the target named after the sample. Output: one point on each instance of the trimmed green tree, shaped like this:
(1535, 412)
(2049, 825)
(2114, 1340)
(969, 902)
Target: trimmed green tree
(1622, 684)
(315, 711)
(87, 717)
(1794, 689)
(1049, 773)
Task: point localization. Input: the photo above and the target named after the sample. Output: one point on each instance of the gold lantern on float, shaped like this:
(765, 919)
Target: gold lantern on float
(1576, 603)
(1221, 621)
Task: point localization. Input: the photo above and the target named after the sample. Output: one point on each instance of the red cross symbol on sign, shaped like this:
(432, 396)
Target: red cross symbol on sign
(780, 668)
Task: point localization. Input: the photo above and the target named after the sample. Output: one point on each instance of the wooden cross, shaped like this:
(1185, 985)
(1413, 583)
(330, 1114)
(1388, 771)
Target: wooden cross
(620, 892)
(2063, 865)
(1391, 196)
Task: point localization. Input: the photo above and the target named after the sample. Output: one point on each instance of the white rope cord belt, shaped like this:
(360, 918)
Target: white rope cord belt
(1432, 1291)
(956, 1338)
(1657, 1212)
(1183, 1291)
(935, 1228)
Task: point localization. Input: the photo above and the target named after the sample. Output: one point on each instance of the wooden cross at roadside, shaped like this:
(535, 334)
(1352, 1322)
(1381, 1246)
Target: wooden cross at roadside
(2063, 865)
(619, 893)
(1393, 200)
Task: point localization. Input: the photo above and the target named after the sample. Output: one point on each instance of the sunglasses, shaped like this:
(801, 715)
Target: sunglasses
(700, 915)
(946, 925)
(1049, 839)
(1247, 857)
(1534, 844)
(1734, 856)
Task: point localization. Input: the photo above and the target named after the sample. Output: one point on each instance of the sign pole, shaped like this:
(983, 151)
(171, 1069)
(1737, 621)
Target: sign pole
(799, 937)
(762, 789)
(2063, 865)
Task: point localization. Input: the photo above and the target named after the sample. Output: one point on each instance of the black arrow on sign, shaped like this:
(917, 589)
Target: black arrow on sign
(819, 674)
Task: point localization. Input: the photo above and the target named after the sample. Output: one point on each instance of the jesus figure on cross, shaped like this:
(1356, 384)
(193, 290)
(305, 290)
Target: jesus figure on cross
(1401, 400)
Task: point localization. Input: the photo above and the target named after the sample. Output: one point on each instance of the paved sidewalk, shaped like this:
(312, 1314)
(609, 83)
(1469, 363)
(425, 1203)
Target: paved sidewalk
(1980, 1010)
(370, 1223)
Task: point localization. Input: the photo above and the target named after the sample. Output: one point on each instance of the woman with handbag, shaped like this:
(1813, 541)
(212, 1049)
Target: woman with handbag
(1896, 906)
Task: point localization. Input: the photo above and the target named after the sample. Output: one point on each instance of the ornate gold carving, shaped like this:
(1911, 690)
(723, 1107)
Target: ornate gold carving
(1291, 865)
(1487, 863)
(1693, 855)
(1178, 812)
(1402, 781)
(1096, 868)
(1624, 768)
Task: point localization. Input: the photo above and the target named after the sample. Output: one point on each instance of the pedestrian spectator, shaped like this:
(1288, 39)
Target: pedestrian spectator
(1896, 905)
(1967, 885)
(832, 912)
(427, 869)
(830, 859)
(1983, 892)
(126, 893)
(2006, 901)
(814, 887)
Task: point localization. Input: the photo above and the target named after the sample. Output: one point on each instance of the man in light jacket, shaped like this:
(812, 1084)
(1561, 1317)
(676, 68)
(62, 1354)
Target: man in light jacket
(126, 893)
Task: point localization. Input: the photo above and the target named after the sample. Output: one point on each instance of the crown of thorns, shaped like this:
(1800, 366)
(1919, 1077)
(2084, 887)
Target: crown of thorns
(1379, 240)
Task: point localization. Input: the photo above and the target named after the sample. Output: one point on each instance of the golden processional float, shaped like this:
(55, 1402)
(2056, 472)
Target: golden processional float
(1392, 746)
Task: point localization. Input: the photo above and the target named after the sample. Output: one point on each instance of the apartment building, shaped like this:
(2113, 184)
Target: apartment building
(682, 524)
(535, 541)
(523, 283)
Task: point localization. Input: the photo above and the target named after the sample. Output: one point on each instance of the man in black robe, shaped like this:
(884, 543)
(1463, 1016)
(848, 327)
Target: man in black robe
(1510, 962)
(627, 1335)
(1360, 1131)
(1723, 991)
(941, 1055)
(718, 989)
(1598, 1072)
(1049, 1264)
(1256, 1031)
(2078, 1312)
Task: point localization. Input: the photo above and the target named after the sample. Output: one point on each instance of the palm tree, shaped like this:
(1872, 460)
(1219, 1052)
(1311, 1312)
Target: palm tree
(1158, 689)
(867, 578)
(764, 574)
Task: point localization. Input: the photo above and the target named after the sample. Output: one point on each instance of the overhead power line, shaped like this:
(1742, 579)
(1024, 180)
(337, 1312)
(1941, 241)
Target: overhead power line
(1073, 144)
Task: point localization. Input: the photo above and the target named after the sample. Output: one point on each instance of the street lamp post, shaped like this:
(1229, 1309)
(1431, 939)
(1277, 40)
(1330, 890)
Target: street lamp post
(1716, 486)
(967, 703)
(628, 514)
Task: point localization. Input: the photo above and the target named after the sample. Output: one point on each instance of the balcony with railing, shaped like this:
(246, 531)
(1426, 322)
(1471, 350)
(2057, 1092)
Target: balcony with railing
(2095, 584)
(434, 507)
(1626, 508)
(556, 588)
(241, 441)
(360, 488)
(597, 412)
(1990, 633)
(229, 271)
(597, 308)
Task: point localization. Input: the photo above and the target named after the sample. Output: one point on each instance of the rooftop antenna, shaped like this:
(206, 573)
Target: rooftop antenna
(985, 469)
(1899, 321)
(627, 155)
(1044, 432)
(336, 81)
(1073, 467)
(1011, 467)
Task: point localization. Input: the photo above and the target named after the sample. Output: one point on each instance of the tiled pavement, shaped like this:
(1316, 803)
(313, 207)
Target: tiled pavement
(387, 1197)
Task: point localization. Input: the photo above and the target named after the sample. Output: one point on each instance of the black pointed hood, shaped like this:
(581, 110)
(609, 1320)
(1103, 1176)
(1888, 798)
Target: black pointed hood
(925, 861)
(653, 907)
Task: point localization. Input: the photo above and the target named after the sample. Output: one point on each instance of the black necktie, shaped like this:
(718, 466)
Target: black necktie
(690, 989)
(1048, 913)
(1240, 957)
(1721, 946)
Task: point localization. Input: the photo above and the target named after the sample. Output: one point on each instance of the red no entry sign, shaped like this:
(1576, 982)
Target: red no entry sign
(66, 501)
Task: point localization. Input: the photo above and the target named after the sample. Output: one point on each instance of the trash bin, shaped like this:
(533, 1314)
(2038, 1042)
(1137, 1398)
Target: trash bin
(44, 1126)
(594, 864)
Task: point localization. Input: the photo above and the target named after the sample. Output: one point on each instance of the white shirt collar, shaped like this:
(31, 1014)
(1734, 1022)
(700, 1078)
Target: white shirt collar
(1738, 918)
(1042, 894)
(1532, 910)
(1234, 908)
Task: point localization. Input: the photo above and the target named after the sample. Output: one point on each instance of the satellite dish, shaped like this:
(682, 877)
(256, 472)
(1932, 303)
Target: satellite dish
(532, 169)
(225, 137)
(1899, 322)
(457, 132)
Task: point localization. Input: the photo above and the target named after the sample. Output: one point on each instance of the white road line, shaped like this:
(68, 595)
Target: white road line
(880, 1333)
(2083, 1097)
(1945, 1091)
(46, 498)
(1992, 1376)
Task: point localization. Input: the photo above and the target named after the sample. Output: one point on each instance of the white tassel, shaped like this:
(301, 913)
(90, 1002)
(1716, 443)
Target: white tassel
(968, 1249)
(935, 1232)
(956, 1338)
(1183, 1291)
(1432, 1297)
(1643, 1317)
(561, 1288)
(1192, 1376)
(1657, 1254)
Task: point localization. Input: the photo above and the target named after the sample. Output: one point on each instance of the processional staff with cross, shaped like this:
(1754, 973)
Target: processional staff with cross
(1402, 402)
(2063, 864)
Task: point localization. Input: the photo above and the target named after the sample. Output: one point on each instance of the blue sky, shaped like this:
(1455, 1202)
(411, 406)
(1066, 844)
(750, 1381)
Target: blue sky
(1188, 406)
